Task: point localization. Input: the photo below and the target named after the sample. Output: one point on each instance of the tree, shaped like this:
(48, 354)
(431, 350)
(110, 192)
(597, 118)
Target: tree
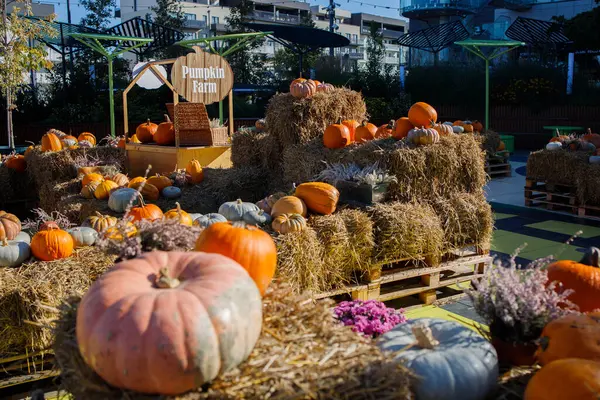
(248, 67)
(375, 52)
(98, 14)
(169, 13)
(18, 57)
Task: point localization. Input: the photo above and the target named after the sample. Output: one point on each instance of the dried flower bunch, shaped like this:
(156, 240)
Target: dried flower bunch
(518, 303)
(41, 217)
(370, 318)
(216, 123)
(370, 175)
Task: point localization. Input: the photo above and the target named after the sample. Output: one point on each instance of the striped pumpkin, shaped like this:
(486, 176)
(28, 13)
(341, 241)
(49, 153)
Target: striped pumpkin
(175, 338)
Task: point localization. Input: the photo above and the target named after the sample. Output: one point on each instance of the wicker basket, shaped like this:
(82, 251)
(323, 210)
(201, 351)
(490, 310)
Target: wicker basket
(192, 126)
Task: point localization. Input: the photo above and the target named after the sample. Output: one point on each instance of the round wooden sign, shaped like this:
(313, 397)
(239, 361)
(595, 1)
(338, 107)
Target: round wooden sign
(202, 77)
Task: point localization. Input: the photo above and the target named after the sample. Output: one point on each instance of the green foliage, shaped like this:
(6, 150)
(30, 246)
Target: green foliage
(583, 29)
(98, 14)
(446, 84)
(170, 14)
(385, 109)
(375, 53)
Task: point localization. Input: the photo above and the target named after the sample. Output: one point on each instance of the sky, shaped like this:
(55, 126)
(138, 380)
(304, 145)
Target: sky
(376, 7)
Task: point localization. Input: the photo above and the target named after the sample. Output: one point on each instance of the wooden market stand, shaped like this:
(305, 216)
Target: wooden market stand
(213, 153)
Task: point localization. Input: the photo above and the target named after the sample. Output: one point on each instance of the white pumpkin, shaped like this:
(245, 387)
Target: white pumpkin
(462, 365)
(204, 221)
(13, 253)
(235, 210)
(458, 129)
(554, 146)
(257, 218)
(594, 160)
(83, 236)
(22, 237)
(448, 123)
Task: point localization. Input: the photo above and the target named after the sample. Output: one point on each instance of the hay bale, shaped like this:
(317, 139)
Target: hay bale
(490, 141)
(298, 121)
(456, 164)
(467, 220)
(245, 146)
(588, 185)
(15, 186)
(272, 370)
(407, 231)
(362, 238)
(28, 293)
(559, 167)
(334, 237)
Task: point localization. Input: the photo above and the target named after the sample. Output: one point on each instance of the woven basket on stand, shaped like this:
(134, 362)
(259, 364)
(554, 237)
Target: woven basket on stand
(192, 126)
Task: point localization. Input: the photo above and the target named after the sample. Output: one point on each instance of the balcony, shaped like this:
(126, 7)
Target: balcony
(194, 24)
(436, 8)
(386, 33)
(218, 27)
(356, 56)
(392, 60)
(514, 5)
(272, 17)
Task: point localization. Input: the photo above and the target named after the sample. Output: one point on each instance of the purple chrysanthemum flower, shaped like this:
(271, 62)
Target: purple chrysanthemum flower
(370, 318)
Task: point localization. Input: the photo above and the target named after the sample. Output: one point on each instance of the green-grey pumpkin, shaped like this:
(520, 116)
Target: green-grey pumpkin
(171, 192)
(462, 366)
(120, 198)
(13, 253)
(235, 210)
(22, 237)
(257, 218)
(204, 221)
(83, 236)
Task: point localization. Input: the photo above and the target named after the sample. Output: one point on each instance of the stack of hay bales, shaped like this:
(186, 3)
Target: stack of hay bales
(436, 205)
(16, 186)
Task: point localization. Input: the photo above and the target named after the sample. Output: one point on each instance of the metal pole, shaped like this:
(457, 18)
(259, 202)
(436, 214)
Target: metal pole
(487, 93)
(8, 95)
(570, 67)
(69, 11)
(111, 96)
(331, 21)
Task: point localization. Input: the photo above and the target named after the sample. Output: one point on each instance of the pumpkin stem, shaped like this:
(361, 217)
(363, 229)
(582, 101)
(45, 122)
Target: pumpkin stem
(98, 214)
(4, 242)
(591, 257)
(164, 281)
(148, 121)
(167, 118)
(424, 336)
(364, 123)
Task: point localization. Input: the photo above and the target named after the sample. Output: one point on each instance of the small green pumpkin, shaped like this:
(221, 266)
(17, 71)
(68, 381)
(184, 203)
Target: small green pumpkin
(13, 253)
(171, 192)
(120, 198)
(257, 218)
(235, 210)
(204, 221)
(83, 236)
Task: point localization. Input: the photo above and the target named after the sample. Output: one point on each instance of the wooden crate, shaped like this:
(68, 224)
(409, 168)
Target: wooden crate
(164, 158)
(25, 368)
(550, 196)
(403, 278)
(589, 212)
(497, 165)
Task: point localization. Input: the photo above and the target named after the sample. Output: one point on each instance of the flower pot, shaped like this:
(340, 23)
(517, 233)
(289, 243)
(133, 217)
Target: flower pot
(514, 354)
(361, 194)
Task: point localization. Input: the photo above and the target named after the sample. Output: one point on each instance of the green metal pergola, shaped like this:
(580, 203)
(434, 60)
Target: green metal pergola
(119, 45)
(244, 38)
(499, 47)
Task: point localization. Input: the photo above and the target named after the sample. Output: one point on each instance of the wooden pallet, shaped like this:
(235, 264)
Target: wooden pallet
(550, 196)
(403, 278)
(23, 369)
(497, 165)
(590, 212)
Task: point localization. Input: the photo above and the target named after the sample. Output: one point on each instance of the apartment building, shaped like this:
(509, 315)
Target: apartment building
(208, 17)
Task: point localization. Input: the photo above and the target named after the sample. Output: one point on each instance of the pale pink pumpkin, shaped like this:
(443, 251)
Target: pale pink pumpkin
(144, 331)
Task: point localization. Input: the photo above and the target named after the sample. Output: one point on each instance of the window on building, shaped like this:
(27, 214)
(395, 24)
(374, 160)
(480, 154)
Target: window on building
(215, 20)
(205, 18)
(191, 17)
(348, 36)
(355, 38)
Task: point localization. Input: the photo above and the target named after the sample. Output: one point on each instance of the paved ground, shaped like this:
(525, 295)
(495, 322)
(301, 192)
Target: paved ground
(545, 233)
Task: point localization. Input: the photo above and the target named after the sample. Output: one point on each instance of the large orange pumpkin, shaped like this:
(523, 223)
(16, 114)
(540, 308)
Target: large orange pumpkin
(559, 138)
(194, 169)
(177, 213)
(336, 136)
(16, 162)
(592, 138)
(571, 336)
(146, 211)
(571, 378)
(351, 125)
(190, 317)
(386, 130)
(10, 226)
(422, 114)
(250, 246)
(87, 136)
(165, 133)
(403, 126)
(160, 181)
(288, 205)
(52, 243)
(365, 132)
(583, 277)
(319, 197)
(51, 142)
(477, 126)
(145, 132)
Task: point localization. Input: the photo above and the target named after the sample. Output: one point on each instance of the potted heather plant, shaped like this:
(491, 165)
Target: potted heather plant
(517, 304)
(370, 318)
(358, 186)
